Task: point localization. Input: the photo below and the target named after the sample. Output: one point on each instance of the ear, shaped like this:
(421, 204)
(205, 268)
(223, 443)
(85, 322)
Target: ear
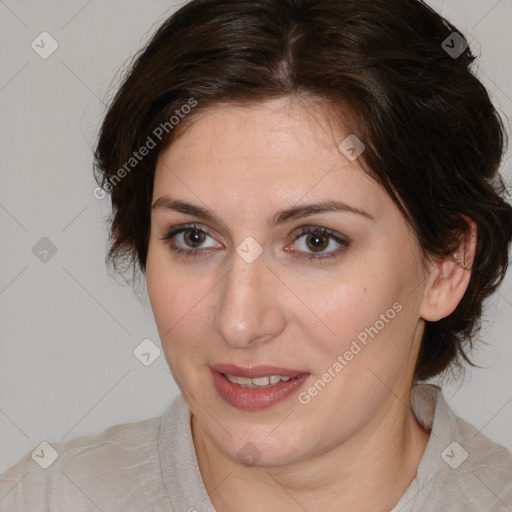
(449, 279)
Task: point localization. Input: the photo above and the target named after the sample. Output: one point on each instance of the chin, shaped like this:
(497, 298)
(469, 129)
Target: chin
(259, 449)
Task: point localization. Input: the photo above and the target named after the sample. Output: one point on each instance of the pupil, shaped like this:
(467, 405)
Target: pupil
(317, 241)
(196, 234)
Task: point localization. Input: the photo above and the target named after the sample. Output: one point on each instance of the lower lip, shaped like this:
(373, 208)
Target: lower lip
(255, 398)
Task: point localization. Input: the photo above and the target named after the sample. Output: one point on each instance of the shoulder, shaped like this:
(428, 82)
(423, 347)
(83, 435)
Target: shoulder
(484, 477)
(58, 476)
(462, 469)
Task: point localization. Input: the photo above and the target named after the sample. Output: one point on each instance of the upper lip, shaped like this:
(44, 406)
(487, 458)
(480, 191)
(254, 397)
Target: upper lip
(255, 371)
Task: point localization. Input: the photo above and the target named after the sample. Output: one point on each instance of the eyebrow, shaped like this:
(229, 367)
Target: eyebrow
(295, 212)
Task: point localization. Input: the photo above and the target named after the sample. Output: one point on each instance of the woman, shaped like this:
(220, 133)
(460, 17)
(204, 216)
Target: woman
(311, 191)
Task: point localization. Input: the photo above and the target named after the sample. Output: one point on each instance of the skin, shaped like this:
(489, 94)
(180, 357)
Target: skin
(356, 445)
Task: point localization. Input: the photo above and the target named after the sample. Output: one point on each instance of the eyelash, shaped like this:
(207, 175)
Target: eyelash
(315, 230)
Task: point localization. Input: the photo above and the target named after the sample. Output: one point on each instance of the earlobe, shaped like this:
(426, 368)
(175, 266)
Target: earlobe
(450, 278)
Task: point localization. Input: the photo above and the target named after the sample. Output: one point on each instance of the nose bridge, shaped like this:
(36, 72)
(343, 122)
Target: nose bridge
(247, 309)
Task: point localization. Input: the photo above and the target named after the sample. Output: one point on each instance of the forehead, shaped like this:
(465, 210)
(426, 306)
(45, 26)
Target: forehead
(277, 151)
(283, 127)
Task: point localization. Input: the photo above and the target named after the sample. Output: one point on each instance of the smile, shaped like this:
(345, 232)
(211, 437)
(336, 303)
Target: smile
(259, 391)
(258, 382)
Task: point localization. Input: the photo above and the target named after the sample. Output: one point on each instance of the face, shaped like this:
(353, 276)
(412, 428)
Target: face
(331, 296)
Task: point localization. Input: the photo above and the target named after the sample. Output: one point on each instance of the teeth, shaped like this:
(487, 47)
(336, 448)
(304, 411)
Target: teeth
(263, 382)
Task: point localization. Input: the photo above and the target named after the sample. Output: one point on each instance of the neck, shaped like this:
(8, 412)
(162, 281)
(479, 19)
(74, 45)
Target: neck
(369, 471)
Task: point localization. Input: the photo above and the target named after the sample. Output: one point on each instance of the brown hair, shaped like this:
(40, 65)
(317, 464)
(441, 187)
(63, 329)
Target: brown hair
(433, 138)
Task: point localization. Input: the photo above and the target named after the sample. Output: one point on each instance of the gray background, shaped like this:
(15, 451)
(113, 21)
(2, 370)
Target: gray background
(68, 330)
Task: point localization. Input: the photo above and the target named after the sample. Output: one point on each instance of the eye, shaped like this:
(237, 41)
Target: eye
(191, 236)
(317, 240)
(186, 240)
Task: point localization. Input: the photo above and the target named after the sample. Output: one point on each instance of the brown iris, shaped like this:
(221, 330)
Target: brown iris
(196, 237)
(316, 241)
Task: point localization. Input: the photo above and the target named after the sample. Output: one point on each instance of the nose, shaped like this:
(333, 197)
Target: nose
(248, 310)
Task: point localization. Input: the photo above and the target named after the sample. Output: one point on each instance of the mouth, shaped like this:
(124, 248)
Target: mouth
(257, 387)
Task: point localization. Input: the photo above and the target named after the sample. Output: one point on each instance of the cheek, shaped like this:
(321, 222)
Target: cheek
(365, 320)
(178, 305)
(164, 289)
(348, 303)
